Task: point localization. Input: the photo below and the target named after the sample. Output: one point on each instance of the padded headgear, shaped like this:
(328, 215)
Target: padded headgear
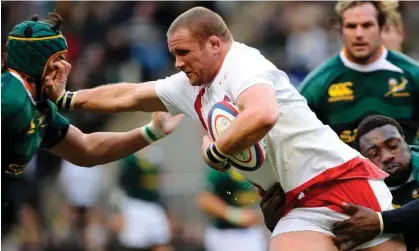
(31, 44)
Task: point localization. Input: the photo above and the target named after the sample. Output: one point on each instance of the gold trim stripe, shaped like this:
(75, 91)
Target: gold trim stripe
(35, 38)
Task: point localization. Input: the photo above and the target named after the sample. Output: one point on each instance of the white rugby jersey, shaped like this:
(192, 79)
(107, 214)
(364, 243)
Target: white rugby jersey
(299, 146)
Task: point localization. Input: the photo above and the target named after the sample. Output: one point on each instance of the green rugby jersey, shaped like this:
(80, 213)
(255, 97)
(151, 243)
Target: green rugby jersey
(406, 193)
(342, 93)
(139, 178)
(410, 190)
(415, 162)
(26, 127)
(233, 189)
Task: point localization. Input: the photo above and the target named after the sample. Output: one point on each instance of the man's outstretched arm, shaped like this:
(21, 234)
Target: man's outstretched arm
(122, 97)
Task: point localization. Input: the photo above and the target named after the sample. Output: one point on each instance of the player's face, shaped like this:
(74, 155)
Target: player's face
(361, 33)
(392, 37)
(199, 60)
(387, 149)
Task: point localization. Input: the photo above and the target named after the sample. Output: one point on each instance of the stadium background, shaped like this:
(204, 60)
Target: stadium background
(125, 41)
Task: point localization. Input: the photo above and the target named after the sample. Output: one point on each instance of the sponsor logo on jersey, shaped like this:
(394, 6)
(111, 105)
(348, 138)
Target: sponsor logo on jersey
(15, 169)
(396, 88)
(395, 206)
(226, 99)
(41, 121)
(341, 92)
(31, 129)
(348, 136)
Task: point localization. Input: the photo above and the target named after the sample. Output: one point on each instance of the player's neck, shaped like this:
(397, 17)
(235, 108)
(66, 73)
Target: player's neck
(224, 53)
(374, 57)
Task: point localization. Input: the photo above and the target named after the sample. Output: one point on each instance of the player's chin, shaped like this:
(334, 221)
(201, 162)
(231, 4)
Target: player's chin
(361, 52)
(194, 81)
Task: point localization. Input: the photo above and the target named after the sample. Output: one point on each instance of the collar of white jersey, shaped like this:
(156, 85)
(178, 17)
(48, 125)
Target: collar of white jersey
(220, 74)
(380, 64)
(399, 186)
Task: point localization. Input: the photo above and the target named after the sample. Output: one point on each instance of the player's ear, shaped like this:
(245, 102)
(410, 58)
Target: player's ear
(214, 43)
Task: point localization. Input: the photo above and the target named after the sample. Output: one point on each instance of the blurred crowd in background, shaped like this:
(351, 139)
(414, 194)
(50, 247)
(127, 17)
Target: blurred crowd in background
(63, 207)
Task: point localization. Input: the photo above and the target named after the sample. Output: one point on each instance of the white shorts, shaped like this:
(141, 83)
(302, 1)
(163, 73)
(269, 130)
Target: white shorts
(250, 239)
(145, 224)
(321, 219)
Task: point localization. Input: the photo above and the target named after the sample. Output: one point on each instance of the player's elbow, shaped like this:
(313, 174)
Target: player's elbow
(268, 118)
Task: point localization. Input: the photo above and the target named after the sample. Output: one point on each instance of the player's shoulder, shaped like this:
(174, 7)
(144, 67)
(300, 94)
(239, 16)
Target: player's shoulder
(177, 82)
(246, 57)
(244, 63)
(321, 77)
(14, 97)
(406, 63)
(179, 77)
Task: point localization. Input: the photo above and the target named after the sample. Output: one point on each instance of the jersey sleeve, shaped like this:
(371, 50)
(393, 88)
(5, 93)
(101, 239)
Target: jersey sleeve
(404, 219)
(238, 88)
(57, 128)
(177, 94)
(246, 69)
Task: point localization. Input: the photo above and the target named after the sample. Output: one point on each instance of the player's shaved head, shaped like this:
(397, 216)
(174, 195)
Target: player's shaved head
(202, 23)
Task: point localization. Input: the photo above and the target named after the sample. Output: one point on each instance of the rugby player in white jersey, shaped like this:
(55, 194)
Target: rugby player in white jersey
(316, 170)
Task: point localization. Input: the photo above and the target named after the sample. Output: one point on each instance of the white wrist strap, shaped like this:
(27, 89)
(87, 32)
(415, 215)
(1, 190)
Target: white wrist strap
(380, 217)
(152, 133)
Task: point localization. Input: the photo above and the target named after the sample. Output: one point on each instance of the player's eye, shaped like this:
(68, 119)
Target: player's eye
(372, 153)
(367, 25)
(393, 144)
(350, 26)
(182, 52)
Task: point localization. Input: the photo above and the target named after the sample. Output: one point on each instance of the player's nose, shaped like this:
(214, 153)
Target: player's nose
(179, 63)
(386, 156)
(359, 32)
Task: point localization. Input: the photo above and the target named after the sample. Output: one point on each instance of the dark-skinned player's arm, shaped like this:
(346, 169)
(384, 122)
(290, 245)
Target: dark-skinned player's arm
(272, 205)
(364, 224)
(403, 219)
(103, 147)
(121, 97)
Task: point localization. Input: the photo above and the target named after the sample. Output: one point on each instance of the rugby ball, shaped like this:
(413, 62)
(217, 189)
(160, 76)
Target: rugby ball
(220, 117)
